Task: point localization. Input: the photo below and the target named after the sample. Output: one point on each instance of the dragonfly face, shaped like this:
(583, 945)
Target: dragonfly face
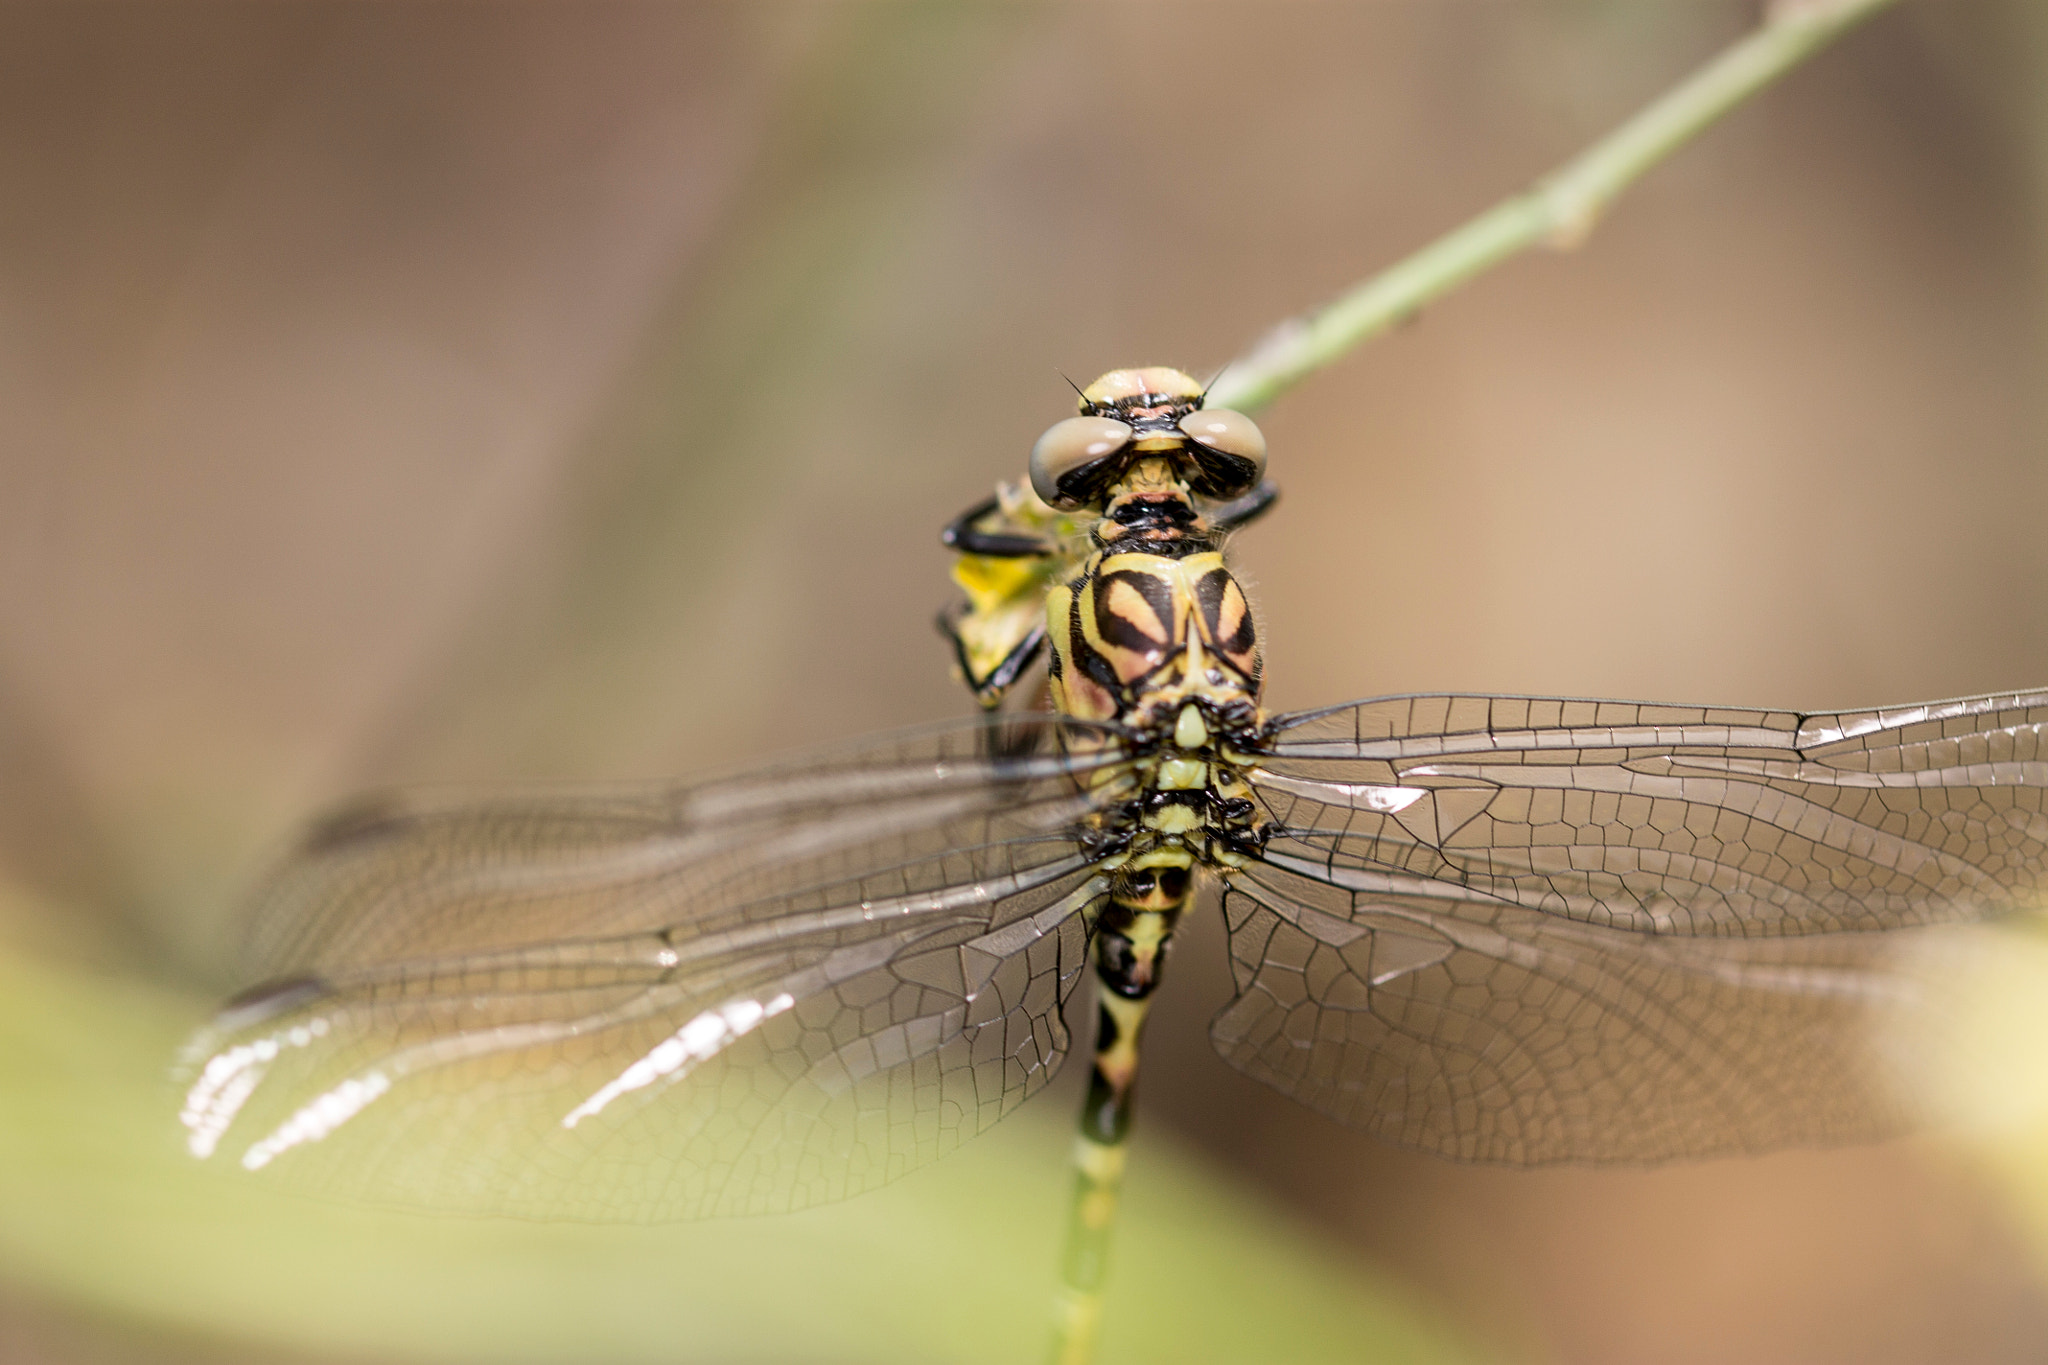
(1508, 929)
(1128, 416)
(1123, 476)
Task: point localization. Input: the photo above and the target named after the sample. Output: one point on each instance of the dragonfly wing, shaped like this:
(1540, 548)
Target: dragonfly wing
(419, 874)
(792, 1015)
(1490, 1032)
(1533, 929)
(1673, 819)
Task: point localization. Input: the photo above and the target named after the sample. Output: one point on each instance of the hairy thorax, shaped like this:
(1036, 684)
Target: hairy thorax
(1159, 638)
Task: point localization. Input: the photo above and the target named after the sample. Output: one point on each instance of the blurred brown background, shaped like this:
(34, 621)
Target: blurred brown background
(411, 392)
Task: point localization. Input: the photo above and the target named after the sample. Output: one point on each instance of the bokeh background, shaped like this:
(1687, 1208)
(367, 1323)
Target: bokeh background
(416, 392)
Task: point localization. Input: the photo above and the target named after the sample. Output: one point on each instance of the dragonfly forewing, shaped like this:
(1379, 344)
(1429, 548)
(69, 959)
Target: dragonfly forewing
(1672, 819)
(588, 1007)
(419, 874)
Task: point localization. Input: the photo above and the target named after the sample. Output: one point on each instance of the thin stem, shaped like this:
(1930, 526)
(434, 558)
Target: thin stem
(1558, 212)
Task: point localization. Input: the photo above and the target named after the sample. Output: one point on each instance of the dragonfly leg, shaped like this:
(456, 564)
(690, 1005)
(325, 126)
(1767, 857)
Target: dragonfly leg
(1130, 949)
(989, 688)
(1240, 511)
(964, 534)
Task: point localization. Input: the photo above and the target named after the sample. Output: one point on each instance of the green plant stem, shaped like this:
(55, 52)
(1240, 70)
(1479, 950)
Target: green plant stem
(1559, 211)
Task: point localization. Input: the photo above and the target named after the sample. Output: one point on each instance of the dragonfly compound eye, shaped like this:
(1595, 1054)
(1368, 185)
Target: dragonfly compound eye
(1229, 452)
(1076, 460)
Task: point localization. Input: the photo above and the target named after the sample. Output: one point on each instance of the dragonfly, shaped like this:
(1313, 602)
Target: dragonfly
(1505, 929)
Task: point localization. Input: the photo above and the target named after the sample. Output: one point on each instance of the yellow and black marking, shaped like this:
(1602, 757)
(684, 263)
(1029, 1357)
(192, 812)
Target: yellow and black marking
(1011, 548)
(1131, 937)
(1136, 635)
(1147, 629)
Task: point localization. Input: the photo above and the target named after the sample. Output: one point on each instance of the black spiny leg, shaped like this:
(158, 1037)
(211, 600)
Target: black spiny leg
(989, 690)
(1241, 511)
(964, 535)
(961, 534)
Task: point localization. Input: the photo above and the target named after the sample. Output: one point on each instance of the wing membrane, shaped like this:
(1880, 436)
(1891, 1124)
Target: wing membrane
(419, 874)
(1529, 929)
(665, 1002)
(1499, 1033)
(1672, 819)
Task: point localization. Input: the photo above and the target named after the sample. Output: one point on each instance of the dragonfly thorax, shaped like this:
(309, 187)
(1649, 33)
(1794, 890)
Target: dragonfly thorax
(1137, 635)
(1154, 634)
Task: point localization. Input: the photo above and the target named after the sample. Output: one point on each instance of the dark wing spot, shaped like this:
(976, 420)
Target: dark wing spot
(268, 1001)
(362, 821)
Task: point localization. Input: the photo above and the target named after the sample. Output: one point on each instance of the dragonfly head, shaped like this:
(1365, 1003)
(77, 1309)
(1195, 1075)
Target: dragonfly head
(1129, 415)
